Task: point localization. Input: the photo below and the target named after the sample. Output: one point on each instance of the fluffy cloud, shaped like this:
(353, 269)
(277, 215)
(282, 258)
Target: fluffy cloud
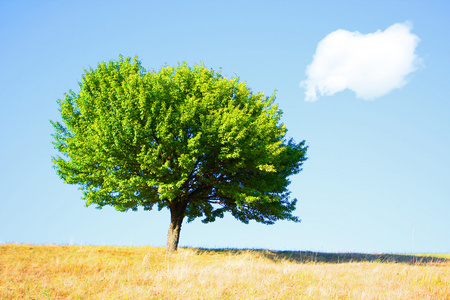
(371, 64)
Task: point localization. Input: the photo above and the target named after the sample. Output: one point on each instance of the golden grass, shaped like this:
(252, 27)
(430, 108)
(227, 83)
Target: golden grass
(93, 272)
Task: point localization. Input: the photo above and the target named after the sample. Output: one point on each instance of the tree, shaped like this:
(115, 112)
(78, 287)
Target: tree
(186, 139)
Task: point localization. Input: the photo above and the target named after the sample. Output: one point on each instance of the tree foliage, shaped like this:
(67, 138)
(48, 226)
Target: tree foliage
(183, 138)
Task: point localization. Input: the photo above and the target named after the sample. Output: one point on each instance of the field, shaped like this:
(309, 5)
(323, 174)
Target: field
(99, 272)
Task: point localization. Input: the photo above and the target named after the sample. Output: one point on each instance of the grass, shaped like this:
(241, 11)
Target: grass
(95, 272)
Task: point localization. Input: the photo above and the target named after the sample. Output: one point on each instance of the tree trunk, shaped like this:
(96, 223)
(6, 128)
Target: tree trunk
(176, 219)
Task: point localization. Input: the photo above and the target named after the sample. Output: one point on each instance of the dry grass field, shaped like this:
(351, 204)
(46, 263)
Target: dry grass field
(94, 272)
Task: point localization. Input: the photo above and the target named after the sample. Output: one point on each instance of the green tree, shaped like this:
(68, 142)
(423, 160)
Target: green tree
(186, 139)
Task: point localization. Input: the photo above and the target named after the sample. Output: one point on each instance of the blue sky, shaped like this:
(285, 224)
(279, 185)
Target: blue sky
(377, 177)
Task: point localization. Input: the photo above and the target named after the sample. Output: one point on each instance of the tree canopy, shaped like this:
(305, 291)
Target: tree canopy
(183, 138)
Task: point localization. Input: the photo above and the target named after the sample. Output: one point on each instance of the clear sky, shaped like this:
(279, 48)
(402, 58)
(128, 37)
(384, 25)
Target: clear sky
(377, 177)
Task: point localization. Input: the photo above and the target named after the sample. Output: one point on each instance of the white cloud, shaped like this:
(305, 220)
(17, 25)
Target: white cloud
(371, 64)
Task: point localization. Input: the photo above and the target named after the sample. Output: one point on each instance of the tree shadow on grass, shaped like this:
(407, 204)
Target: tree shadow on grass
(333, 258)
